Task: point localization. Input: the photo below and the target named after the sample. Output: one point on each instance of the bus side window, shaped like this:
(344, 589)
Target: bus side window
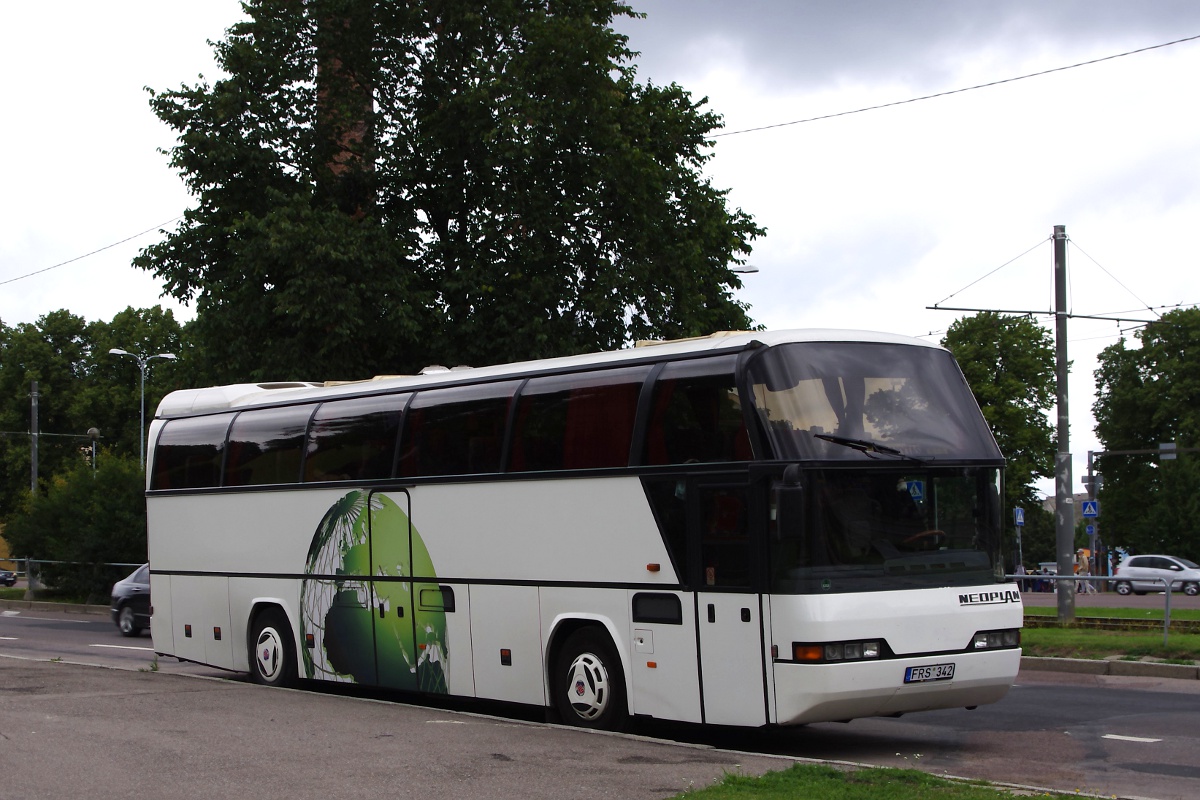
(697, 415)
(456, 431)
(265, 446)
(668, 501)
(188, 453)
(576, 421)
(354, 440)
(724, 540)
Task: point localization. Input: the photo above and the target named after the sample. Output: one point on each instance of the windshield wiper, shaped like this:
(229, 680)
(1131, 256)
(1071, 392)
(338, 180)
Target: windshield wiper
(866, 446)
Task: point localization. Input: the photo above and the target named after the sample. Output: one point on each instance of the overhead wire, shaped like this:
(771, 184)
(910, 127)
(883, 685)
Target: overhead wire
(955, 91)
(94, 252)
(1145, 305)
(993, 272)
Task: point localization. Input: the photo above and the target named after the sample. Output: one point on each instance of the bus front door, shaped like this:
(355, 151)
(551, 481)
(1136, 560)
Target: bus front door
(728, 613)
(392, 590)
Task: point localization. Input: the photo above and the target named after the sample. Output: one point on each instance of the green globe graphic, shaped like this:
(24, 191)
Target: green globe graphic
(361, 606)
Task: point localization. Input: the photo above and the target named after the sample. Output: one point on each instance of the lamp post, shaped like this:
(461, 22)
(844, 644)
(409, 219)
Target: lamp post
(142, 362)
(93, 434)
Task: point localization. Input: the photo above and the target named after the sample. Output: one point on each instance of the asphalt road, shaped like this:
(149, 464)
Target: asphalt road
(166, 729)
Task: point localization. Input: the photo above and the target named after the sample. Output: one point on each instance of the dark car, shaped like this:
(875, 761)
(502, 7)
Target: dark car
(8, 577)
(131, 602)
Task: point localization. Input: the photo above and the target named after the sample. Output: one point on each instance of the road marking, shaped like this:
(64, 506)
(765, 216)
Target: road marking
(47, 619)
(123, 647)
(8, 638)
(1129, 738)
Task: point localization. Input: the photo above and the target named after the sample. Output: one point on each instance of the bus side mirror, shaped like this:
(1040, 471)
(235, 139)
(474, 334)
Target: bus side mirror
(791, 510)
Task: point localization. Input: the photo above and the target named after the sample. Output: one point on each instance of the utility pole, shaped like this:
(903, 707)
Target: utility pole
(33, 437)
(1064, 500)
(1064, 503)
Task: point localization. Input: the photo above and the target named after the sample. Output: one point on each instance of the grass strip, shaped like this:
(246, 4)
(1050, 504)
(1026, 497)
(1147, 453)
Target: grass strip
(1180, 614)
(828, 783)
(1086, 643)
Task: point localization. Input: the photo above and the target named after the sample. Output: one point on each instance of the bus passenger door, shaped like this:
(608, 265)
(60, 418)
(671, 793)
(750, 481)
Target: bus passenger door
(728, 612)
(392, 590)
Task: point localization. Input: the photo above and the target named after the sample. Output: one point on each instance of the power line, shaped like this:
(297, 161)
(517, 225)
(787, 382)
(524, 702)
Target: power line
(993, 272)
(94, 252)
(955, 91)
(1114, 277)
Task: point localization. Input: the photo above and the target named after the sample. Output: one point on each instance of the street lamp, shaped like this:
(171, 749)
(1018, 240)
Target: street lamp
(142, 362)
(93, 434)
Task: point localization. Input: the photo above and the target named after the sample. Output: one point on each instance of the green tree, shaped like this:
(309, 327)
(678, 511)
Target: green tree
(384, 185)
(1008, 362)
(111, 398)
(1038, 536)
(1146, 395)
(80, 386)
(89, 518)
(55, 352)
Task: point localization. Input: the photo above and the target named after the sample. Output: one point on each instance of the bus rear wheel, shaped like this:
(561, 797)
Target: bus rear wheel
(588, 683)
(272, 651)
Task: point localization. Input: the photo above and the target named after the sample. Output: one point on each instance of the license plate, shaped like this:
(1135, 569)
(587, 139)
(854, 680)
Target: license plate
(931, 672)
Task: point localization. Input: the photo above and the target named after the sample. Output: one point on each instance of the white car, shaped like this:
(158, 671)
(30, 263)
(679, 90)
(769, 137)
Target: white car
(1141, 574)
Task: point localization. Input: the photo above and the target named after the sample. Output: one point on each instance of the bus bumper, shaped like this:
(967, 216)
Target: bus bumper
(844, 691)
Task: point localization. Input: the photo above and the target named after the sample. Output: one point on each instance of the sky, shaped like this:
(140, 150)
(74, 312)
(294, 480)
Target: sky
(871, 217)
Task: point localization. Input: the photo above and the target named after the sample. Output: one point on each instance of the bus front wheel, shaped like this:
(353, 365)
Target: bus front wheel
(588, 684)
(272, 652)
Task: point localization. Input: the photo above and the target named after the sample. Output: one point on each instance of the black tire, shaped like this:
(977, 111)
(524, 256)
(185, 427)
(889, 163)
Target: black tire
(127, 622)
(272, 649)
(588, 683)
(1123, 588)
(1191, 589)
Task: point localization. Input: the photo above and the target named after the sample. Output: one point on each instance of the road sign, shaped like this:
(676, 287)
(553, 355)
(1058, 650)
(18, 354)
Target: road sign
(917, 490)
(1090, 530)
(1018, 517)
(1091, 508)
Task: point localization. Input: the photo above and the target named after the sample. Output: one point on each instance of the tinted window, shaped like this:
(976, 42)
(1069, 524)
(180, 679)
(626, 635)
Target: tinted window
(265, 446)
(456, 431)
(655, 607)
(576, 421)
(697, 416)
(822, 400)
(354, 440)
(189, 451)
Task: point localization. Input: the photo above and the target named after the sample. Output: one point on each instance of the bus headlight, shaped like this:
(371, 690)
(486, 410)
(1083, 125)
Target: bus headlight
(996, 640)
(835, 651)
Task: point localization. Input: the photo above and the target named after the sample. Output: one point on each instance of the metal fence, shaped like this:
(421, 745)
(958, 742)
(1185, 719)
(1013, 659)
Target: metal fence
(31, 570)
(1084, 580)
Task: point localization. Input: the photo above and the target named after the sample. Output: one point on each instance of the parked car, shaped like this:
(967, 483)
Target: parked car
(8, 577)
(1141, 574)
(131, 602)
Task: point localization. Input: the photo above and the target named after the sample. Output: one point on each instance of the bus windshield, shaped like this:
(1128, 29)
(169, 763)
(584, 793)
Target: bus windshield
(855, 401)
(882, 529)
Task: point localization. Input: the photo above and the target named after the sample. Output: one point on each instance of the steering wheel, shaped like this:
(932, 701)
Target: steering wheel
(932, 534)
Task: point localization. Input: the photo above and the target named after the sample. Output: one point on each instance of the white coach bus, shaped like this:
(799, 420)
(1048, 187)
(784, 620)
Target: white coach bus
(746, 529)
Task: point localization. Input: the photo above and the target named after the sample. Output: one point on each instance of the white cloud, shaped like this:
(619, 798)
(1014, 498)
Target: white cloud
(871, 217)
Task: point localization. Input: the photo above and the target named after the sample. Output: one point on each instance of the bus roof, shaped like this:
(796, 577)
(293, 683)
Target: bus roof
(188, 402)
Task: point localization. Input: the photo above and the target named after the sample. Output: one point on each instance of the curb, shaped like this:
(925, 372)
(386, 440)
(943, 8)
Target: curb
(1112, 666)
(41, 605)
